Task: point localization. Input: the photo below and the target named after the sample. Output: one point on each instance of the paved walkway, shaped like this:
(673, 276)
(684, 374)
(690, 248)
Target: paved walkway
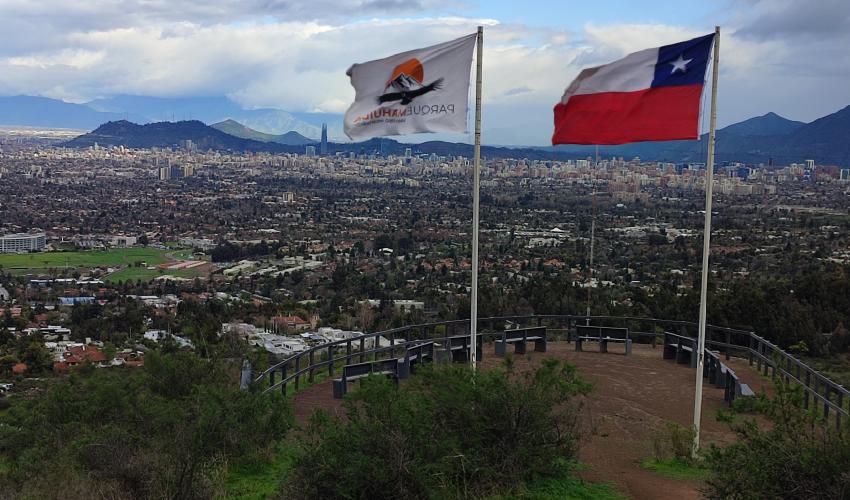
(632, 398)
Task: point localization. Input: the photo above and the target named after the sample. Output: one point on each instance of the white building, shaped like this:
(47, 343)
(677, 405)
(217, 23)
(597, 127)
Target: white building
(23, 242)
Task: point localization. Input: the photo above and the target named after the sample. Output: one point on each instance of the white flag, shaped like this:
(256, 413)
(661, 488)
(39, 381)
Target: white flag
(424, 90)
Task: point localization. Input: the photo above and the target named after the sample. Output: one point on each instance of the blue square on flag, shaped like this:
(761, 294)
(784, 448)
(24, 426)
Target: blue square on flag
(683, 63)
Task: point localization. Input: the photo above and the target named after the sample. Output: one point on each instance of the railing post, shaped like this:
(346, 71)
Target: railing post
(348, 352)
(283, 378)
(728, 343)
(766, 362)
(271, 378)
(297, 372)
(330, 360)
(807, 389)
(750, 353)
(825, 403)
(362, 348)
(310, 372)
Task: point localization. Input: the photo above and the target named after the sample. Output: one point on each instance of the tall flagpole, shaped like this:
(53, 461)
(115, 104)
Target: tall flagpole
(592, 233)
(706, 242)
(476, 182)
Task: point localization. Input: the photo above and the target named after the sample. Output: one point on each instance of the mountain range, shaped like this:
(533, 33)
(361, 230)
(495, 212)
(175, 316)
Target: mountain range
(756, 140)
(234, 128)
(169, 134)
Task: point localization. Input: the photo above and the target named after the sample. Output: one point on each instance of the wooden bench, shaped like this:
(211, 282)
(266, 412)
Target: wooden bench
(350, 373)
(519, 338)
(711, 366)
(735, 388)
(413, 356)
(456, 349)
(603, 335)
(680, 348)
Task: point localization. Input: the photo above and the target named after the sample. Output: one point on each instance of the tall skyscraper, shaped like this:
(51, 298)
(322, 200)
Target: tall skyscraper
(323, 147)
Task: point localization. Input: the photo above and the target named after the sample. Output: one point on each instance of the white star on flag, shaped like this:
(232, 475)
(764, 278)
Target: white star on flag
(680, 64)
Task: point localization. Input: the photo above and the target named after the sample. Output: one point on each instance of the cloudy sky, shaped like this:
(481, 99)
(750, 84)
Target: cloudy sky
(787, 56)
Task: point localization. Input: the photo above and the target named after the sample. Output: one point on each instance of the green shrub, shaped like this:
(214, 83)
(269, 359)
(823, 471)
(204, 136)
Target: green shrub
(794, 456)
(166, 430)
(447, 433)
(673, 442)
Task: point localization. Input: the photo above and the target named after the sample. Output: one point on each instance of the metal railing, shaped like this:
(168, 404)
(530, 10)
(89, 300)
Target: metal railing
(826, 398)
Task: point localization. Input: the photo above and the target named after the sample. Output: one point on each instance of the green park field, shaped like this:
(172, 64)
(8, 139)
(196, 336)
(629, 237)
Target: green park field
(125, 258)
(86, 259)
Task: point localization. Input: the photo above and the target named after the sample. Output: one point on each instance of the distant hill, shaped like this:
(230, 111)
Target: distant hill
(216, 109)
(826, 139)
(236, 129)
(51, 113)
(169, 134)
(757, 140)
(769, 124)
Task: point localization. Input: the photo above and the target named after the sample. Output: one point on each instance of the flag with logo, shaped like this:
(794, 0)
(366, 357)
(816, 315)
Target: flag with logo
(651, 95)
(424, 90)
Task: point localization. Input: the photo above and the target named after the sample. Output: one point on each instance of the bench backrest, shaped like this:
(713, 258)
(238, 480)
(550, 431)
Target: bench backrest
(602, 331)
(385, 365)
(420, 350)
(458, 341)
(521, 333)
(356, 369)
(671, 338)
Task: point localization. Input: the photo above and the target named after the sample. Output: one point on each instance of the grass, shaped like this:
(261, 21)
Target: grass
(674, 469)
(93, 258)
(19, 264)
(559, 488)
(259, 480)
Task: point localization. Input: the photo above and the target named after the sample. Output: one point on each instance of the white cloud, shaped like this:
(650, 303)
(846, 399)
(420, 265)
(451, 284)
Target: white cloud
(293, 54)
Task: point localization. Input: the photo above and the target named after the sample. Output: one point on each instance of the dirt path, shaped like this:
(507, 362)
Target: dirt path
(632, 398)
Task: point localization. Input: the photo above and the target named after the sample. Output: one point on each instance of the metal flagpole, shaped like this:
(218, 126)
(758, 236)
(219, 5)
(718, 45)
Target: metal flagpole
(476, 182)
(592, 234)
(706, 241)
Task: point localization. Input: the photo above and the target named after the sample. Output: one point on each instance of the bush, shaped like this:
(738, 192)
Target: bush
(673, 442)
(794, 457)
(448, 433)
(166, 430)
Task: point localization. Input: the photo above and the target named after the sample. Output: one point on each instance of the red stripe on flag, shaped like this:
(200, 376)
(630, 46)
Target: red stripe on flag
(654, 114)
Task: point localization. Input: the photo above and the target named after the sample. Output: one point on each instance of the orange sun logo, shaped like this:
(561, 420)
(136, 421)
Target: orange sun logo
(412, 68)
(406, 83)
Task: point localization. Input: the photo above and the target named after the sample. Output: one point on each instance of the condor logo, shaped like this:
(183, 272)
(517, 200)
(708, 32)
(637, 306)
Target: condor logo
(406, 83)
(422, 90)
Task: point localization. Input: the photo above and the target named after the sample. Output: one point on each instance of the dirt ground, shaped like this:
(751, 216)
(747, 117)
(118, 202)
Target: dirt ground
(632, 398)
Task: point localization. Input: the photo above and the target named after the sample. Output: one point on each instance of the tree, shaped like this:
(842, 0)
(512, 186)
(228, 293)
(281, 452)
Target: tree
(37, 357)
(164, 430)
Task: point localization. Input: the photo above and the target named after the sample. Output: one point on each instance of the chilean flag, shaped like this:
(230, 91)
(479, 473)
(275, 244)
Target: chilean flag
(651, 95)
